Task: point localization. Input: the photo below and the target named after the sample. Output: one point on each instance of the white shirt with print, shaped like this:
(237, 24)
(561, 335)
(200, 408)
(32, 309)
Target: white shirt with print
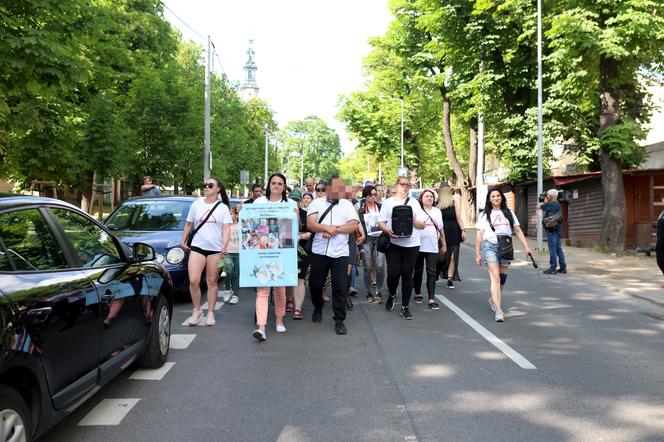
(500, 223)
(429, 235)
(211, 236)
(418, 214)
(341, 213)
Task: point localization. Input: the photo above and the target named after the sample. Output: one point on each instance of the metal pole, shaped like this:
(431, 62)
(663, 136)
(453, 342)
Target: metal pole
(267, 129)
(540, 184)
(207, 162)
(302, 166)
(401, 132)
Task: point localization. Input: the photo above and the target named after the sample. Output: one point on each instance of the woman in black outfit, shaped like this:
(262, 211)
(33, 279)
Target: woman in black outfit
(455, 234)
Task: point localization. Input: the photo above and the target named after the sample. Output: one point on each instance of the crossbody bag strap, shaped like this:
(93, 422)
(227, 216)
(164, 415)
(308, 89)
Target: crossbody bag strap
(434, 222)
(323, 217)
(206, 218)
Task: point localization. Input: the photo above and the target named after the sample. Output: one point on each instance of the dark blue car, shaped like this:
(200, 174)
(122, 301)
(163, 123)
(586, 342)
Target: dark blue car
(159, 222)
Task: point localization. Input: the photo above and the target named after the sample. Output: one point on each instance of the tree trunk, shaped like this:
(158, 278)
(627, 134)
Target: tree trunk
(614, 225)
(86, 194)
(459, 175)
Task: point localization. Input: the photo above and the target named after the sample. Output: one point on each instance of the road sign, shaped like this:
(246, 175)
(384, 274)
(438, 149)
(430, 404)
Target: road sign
(403, 171)
(244, 177)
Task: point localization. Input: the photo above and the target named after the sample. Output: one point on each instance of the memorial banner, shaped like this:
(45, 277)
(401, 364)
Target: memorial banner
(268, 245)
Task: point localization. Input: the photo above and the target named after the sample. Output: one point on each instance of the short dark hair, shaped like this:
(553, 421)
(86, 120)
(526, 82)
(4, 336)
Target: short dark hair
(256, 186)
(367, 190)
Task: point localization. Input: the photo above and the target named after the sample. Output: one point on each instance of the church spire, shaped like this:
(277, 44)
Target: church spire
(249, 87)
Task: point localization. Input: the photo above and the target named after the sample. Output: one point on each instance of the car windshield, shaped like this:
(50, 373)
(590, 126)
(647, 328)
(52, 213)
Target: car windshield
(150, 215)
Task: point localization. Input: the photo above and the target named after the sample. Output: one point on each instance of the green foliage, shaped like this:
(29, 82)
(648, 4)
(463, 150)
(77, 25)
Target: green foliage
(620, 141)
(319, 143)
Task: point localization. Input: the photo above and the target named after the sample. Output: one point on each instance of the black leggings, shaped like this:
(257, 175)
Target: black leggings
(430, 259)
(400, 265)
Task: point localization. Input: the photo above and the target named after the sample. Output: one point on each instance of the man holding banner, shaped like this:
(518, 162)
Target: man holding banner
(331, 219)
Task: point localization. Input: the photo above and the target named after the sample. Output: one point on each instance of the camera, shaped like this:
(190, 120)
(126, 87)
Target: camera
(563, 195)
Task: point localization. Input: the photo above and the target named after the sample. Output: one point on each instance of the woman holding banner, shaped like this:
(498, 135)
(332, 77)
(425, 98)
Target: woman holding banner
(275, 193)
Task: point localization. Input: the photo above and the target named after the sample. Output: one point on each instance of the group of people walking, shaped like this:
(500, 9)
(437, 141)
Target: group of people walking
(371, 235)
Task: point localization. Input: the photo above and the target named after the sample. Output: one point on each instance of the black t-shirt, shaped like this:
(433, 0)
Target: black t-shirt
(303, 225)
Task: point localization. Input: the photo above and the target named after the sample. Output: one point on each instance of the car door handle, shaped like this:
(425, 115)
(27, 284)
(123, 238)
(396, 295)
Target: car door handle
(39, 315)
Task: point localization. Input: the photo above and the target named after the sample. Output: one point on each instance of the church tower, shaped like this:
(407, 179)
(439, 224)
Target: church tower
(249, 87)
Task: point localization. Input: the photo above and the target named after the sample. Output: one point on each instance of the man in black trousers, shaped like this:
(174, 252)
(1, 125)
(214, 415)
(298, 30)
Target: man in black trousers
(332, 219)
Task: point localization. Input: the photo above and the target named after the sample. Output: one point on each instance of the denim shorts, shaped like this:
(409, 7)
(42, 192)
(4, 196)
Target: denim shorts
(489, 252)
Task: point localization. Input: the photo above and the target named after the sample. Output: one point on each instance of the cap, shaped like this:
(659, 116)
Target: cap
(295, 194)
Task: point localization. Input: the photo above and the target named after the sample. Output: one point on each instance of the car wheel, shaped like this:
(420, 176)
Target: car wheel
(14, 416)
(160, 337)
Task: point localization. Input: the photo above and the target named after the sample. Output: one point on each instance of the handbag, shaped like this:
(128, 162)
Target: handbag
(505, 245)
(441, 233)
(190, 236)
(383, 244)
(308, 246)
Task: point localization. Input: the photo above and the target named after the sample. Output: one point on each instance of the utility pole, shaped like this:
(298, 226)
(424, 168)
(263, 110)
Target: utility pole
(207, 161)
(267, 131)
(540, 179)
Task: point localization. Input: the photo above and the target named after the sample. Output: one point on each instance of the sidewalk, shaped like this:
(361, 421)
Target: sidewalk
(636, 276)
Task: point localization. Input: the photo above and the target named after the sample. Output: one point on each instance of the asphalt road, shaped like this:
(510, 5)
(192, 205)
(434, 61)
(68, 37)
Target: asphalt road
(593, 358)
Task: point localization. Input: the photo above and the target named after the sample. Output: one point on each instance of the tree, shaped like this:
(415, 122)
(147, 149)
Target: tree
(600, 49)
(320, 144)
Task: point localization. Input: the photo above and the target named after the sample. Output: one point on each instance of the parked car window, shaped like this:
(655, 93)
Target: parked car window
(29, 242)
(150, 215)
(93, 245)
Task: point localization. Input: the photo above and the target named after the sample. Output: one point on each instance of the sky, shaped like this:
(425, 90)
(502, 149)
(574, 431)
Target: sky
(307, 52)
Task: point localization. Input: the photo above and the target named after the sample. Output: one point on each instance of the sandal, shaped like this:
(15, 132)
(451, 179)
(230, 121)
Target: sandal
(418, 299)
(349, 304)
(297, 314)
(192, 320)
(289, 306)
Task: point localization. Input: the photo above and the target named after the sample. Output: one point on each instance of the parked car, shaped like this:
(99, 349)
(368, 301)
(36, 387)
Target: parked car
(77, 306)
(158, 221)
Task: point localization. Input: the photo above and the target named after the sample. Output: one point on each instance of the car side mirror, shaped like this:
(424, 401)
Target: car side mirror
(143, 252)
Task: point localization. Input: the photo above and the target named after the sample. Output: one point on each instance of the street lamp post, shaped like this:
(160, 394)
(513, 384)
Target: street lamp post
(401, 100)
(540, 184)
(267, 131)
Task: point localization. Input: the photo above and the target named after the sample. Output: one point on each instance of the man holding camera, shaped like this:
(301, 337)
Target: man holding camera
(552, 220)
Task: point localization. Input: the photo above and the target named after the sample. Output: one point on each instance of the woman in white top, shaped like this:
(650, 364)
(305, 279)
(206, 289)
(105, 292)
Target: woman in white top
(208, 246)
(496, 219)
(430, 238)
(403, 252)
(275, 193)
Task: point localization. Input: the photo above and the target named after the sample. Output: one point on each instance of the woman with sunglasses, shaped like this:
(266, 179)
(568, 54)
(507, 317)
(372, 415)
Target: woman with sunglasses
(209, 245)
(369, 215)
(403, 252)
(275, 193)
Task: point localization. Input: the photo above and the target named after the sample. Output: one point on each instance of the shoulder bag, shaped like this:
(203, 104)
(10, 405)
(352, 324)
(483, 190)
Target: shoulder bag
(505, 245)
(190, 236)
(383, 244)
(308, 246)
(440, 232)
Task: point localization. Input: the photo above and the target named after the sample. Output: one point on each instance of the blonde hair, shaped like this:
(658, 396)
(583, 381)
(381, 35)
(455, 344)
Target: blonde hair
(445, 198)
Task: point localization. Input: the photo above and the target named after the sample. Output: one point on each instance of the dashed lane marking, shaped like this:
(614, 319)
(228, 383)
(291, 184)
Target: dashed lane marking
(109, 412)
(486, 334)
(152, 374)
(181, 341)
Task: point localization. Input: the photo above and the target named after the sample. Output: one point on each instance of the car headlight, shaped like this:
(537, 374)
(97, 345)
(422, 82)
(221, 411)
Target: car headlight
(160, 258)
(175, 255)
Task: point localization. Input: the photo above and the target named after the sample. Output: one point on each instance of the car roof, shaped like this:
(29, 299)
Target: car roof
(13, 200)
(162, 197)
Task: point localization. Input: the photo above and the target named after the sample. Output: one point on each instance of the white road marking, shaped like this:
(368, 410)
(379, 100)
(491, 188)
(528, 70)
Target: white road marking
(109, 412)
(204, 307)
(216, 307)
(180, 341)
(486, 334)
(152, 374)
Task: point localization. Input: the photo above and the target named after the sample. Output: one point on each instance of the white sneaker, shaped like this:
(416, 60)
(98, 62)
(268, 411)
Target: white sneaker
(499, 316)
(493, 306)
(226, 295)
(234, 300)
(259, 334)
(281, 328)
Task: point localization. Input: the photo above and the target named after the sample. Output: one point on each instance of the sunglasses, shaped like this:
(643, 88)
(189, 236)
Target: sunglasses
(208, 185)
(404, 184)
(373, 194)
(320, 189)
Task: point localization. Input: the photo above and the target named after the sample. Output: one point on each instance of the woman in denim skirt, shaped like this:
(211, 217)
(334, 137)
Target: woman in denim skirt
(496, 220)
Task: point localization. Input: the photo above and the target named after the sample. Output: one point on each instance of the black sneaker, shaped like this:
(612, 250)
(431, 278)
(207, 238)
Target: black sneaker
(434, 306)
(378, 299)
(389, 304)
(340, 328)
(317, 316)
(405, 312)
(562, 270)
(450, 284)
(551, 271)
(370, 298)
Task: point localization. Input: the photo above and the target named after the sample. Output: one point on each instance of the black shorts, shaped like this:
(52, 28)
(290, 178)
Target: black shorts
(303, 263)
(205, 253)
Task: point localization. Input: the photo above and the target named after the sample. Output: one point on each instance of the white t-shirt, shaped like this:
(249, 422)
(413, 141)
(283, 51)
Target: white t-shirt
(211, 235)
(341, 213)
(263, 200)
(418, 214)
(500, 223)
(429, 235)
